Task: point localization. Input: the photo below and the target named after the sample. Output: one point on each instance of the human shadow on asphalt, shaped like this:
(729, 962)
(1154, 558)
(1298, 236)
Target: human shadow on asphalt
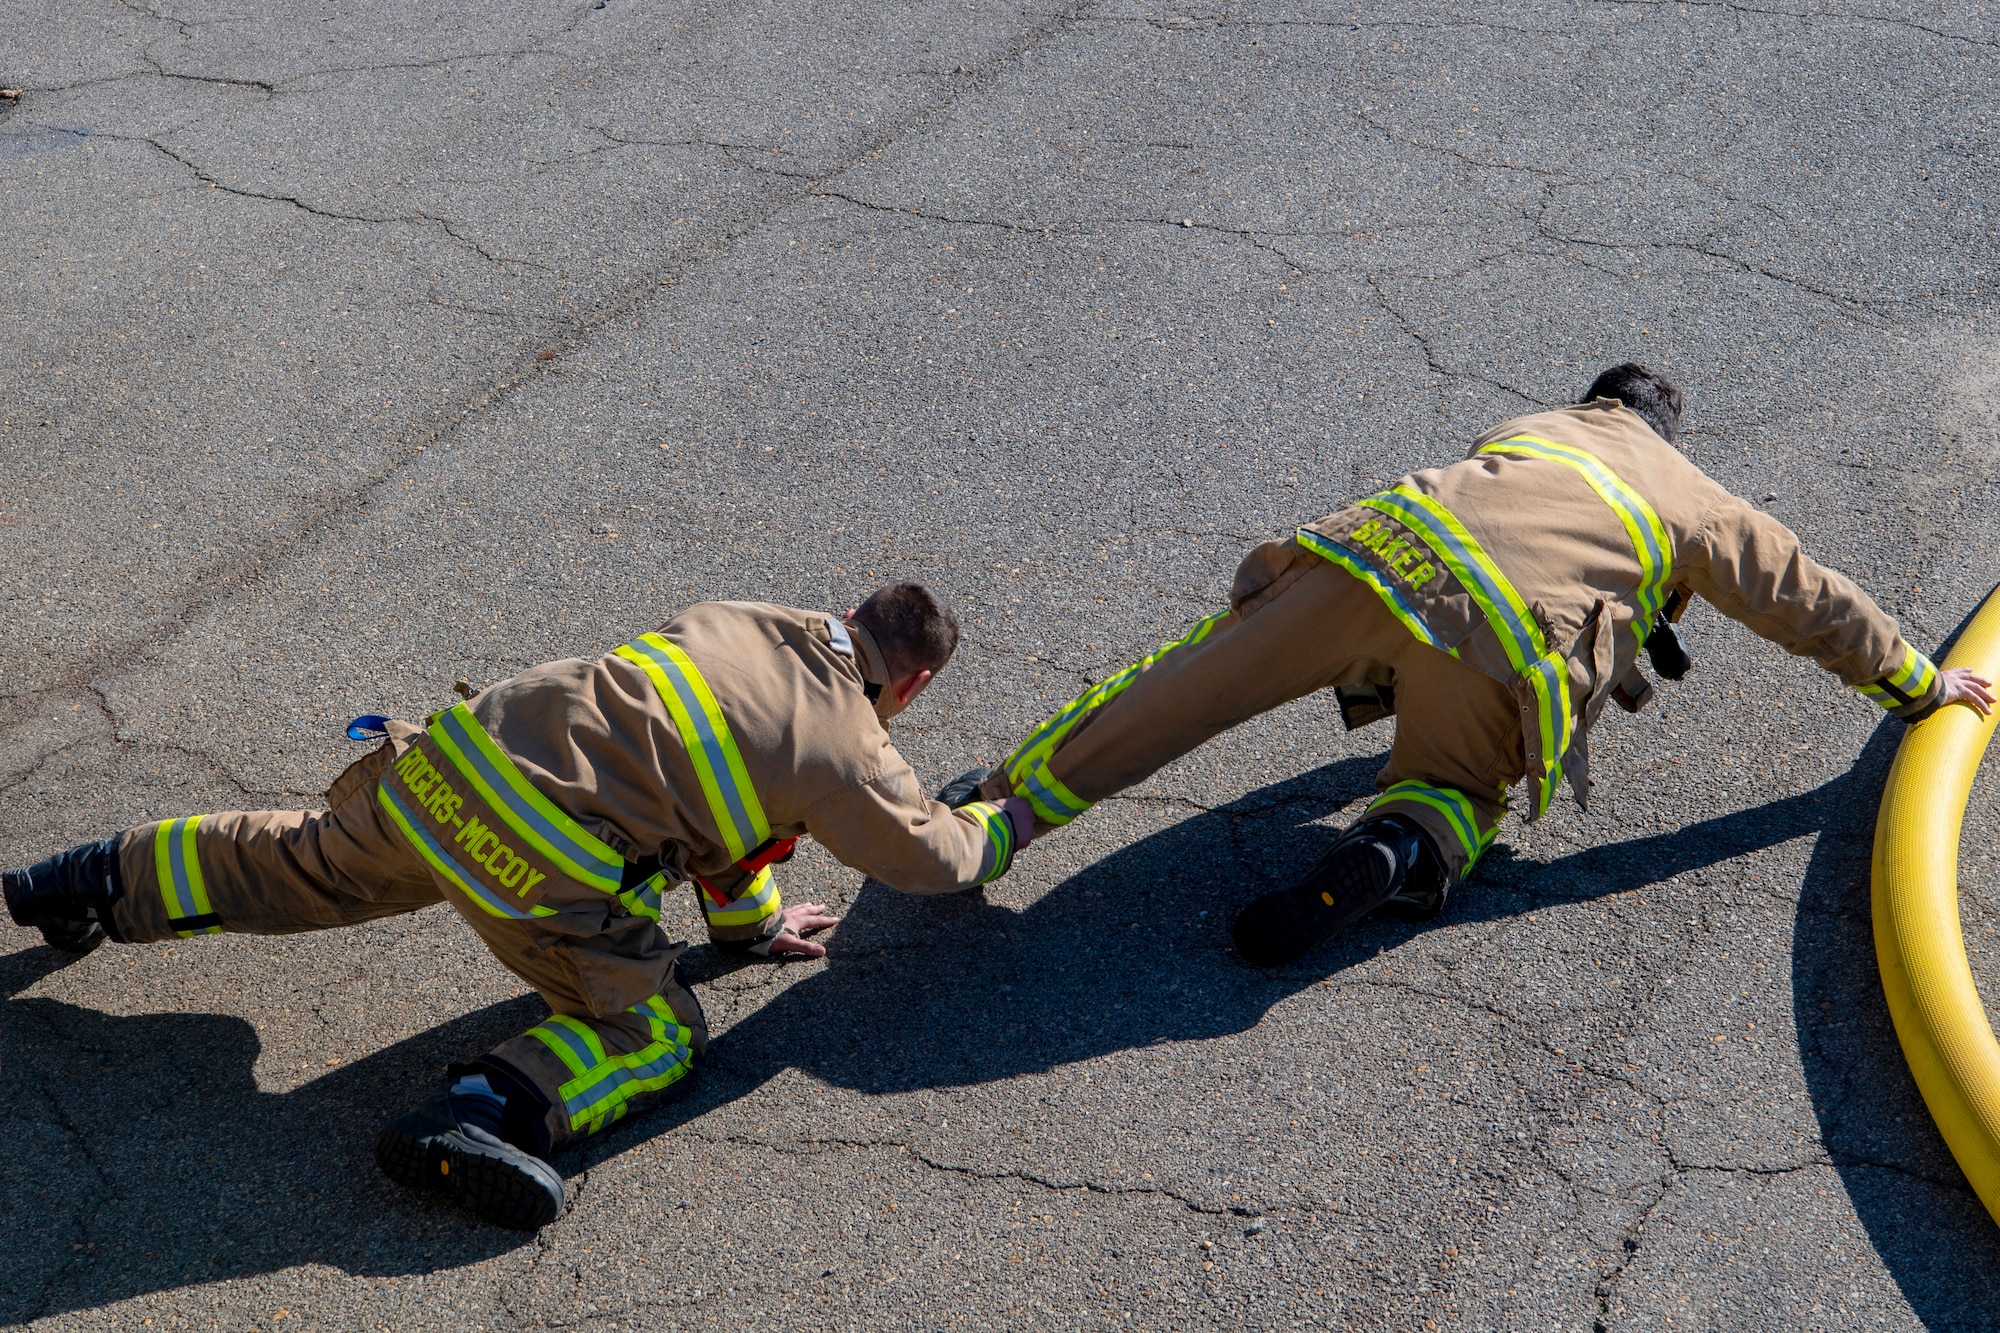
(163, 1164)
(1923, 1219)
(145, 1157)
(141, 1154)
(1921, 1215)
(1134, 950)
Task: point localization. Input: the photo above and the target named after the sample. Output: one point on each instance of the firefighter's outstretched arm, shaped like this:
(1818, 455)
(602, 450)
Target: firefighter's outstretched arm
(889, 829)
(1752, 568)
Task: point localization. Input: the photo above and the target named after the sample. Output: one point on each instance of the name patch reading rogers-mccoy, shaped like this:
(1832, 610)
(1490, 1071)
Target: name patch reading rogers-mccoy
(468, 830)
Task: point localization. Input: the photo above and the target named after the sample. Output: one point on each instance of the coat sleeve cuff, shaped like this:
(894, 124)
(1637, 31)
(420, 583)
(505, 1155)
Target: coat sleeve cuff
(750, 918)
(998, 853)
(1910, 692)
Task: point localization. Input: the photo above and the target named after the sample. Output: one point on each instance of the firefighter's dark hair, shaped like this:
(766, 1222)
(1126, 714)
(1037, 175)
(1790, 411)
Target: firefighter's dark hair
(1647, 392)
(914, 630)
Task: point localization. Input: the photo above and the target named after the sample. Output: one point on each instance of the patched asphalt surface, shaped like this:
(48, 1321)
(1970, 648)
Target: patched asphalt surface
(348, 350)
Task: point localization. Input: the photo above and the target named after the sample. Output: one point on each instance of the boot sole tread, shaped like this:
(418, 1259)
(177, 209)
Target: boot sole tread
(1303, 919)
(504, 1191)
(501, 1187)
(408, 1161)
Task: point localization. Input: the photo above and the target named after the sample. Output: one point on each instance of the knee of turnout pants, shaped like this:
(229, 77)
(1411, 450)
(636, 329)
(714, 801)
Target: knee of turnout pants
(624, 1030)
(1458, 749)
(1297, 624)
(269, 872)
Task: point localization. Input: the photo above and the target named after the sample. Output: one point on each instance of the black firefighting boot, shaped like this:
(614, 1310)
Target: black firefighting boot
(963, 790)
(469, 1142)
(68, 897)
(1382, 860)
(1426, 884)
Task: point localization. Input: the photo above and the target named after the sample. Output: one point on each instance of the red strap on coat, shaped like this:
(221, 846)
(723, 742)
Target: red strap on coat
(772, 852)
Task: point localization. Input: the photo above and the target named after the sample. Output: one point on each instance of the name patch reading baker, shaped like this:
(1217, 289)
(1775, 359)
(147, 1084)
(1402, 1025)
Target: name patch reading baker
(1404, 558)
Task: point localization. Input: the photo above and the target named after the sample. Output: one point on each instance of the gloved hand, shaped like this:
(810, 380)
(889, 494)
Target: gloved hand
(963, 790)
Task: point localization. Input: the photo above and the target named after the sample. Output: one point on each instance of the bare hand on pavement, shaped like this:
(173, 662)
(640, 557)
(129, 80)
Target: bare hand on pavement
(802, 919)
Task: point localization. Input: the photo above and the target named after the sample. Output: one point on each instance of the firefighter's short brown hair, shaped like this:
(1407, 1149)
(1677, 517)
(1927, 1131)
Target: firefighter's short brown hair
(915, 631)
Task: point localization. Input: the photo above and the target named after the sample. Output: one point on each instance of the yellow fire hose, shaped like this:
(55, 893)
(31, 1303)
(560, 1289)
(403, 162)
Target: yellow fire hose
(1918, 943)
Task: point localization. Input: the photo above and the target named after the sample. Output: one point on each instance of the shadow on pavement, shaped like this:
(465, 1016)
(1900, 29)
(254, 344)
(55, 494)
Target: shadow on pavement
(1933, 1234)
(942, 992)
(141, 1155)
(161, 1163)
(162, 1133)
(998, 993)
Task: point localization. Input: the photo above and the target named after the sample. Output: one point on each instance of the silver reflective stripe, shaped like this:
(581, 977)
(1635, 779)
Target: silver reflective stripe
(843, 642)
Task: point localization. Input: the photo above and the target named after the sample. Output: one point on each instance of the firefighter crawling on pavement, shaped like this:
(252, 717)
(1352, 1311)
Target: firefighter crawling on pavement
(552, 810)
(1491, 607)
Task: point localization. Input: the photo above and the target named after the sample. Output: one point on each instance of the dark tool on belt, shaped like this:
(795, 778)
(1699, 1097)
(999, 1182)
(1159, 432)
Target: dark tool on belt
(1664, 647)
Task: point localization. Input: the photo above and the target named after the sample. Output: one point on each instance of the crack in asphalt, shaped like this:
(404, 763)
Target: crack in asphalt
(1259, 236)
(916, 1155)
(186, 28)
(200, 757)
(35, 765)
(110, 732)
(1437, 366)
(330, 511)
(1804, 16)
(1848, 304)
(418, 219)
(153, 70)
(76, 1134)
(1608, 1279)
(183, 26)
(1224, 19)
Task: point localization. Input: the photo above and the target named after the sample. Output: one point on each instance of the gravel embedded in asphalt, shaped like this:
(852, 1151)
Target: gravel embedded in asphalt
(351, 351)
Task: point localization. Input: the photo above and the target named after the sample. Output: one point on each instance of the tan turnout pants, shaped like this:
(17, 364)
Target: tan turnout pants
(623, 1030)
(1296, 624)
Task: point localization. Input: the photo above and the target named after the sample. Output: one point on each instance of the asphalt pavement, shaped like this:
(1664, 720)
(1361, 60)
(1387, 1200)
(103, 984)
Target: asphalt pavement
(350, 350)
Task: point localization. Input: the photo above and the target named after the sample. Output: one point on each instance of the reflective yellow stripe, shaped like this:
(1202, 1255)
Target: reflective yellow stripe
(645, 899)
(507, 792)
(1914, 679)
(1053, 802)
(999, 830)
(442, 861)
(1457, 809)
(1513, 625)
(573, 1043)
(1027, 768)
(605, 1084)
(178, 869)
(1392, 597)
(1650, 546)
(760, 898)
(718, 764)
(1520, 636)
(1549, 679)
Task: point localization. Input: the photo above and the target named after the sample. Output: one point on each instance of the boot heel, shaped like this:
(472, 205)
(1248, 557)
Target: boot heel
(1349, 882)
